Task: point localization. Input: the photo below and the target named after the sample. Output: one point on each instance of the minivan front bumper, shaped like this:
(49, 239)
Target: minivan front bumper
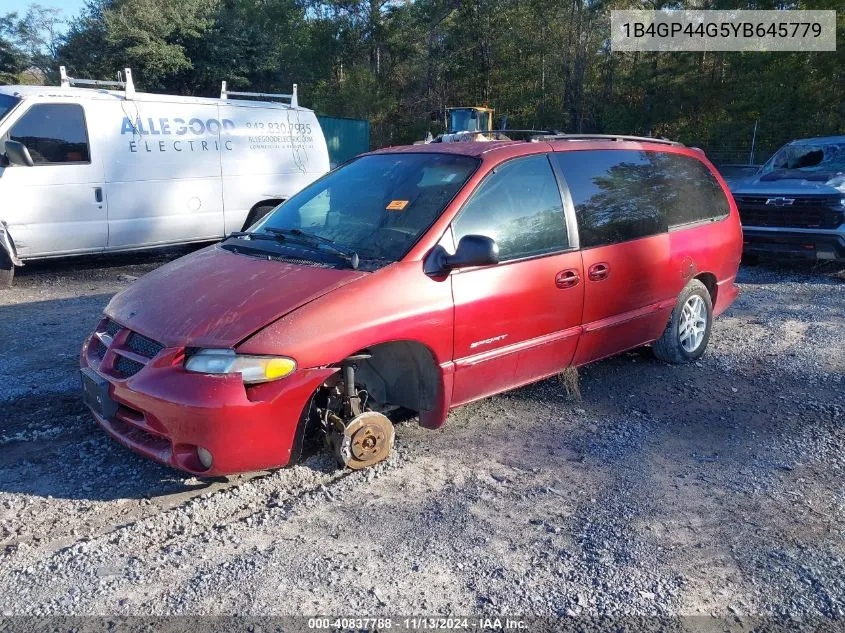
(165, 413)
(814, 245)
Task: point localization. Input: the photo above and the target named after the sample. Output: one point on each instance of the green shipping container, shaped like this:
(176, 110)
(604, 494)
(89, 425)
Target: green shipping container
(345, 138)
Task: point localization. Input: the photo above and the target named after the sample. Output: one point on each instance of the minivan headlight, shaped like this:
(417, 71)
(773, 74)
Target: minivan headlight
(253, 369)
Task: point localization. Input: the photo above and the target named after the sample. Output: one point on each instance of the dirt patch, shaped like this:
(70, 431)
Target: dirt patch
(714, 488)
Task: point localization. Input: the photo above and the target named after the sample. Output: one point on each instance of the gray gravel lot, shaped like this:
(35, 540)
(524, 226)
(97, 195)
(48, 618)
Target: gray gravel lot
(711, 489)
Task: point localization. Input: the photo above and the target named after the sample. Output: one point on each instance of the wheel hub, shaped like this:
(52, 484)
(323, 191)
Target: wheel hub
(366, 440)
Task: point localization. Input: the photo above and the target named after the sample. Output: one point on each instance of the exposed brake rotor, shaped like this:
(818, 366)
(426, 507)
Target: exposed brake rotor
(366, 440)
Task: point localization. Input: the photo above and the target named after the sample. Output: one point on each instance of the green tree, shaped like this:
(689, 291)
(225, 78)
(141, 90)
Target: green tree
(399, 63)
(13, 60)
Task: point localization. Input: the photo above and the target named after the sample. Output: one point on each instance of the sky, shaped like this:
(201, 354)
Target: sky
(70, 8)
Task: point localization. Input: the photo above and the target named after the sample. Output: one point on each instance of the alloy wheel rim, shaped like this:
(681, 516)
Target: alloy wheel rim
(693, 324)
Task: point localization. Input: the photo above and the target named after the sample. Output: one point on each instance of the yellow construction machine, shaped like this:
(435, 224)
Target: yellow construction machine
(469, 119)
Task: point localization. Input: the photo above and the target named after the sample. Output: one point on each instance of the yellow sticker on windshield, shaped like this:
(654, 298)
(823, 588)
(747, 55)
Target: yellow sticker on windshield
(397, 205)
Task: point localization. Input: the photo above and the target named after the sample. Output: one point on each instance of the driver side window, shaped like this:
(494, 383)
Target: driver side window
(54, 133)
(519, 206)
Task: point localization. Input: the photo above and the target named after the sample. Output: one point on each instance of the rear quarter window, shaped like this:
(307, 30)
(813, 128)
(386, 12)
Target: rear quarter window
(623, 195)
(699, 196)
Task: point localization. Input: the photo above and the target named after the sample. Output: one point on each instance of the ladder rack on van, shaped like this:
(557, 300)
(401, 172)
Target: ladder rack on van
(292, 97)
(608, 137)
(127, 85)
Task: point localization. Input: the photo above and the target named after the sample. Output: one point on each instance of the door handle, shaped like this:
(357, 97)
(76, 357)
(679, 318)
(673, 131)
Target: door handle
(598, 272)
(567, 278)
(98, 194)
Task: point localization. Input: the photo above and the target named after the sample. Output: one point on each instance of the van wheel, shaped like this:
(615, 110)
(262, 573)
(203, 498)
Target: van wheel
(688, 332)
(257, 213)
(7, 271)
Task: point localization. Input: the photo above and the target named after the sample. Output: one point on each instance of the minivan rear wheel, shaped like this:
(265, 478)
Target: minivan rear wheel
(688, 332)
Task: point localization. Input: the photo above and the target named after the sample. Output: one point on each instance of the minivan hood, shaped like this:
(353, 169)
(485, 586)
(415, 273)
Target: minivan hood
(216, 298)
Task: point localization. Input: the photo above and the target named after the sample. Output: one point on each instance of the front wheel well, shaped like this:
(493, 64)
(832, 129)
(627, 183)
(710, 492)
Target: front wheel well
(401, 373)
(399, 377)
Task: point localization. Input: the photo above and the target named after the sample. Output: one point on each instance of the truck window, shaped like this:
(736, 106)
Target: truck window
(519, 206)
(54, 133)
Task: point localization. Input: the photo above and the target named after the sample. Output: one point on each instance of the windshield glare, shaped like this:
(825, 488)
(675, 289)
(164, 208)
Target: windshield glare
(808, 157)
(6, 105)
(377, 205)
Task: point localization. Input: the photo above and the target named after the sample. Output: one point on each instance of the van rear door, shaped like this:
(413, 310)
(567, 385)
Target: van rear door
(57, 206)
(269, 151)
(162, 172)
(630, 286)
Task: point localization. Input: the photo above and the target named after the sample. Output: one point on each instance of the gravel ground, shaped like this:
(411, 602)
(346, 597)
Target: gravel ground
(713, 489)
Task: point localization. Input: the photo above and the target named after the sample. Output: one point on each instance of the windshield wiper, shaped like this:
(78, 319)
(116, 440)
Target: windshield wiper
(252, 236)
(282, 235)
(343, 252)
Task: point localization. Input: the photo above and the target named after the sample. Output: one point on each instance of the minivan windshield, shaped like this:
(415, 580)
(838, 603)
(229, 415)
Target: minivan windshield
(6, 105)
(378, 205)
(818, 161)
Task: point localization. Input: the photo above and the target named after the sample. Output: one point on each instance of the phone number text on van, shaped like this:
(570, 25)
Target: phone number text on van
(280, 127)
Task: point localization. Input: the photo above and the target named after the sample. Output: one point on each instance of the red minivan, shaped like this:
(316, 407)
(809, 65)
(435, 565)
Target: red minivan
(413, 279)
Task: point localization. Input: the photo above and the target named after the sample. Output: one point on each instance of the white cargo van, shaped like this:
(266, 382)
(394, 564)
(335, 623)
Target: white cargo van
(87, 170)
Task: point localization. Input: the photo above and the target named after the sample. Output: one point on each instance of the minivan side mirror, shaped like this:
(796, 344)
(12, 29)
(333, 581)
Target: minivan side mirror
(18, 154)
(473, 250)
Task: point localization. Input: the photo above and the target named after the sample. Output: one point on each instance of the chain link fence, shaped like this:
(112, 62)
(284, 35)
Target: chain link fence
(738, 154)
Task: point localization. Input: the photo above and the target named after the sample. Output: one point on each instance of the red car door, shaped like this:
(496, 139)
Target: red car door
(619, 197)
(519, 320)
(624, 300)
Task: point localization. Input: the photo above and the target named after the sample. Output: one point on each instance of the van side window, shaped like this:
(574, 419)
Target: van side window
(699, 198)
(619, 195)
(519, 206)
(53, 133)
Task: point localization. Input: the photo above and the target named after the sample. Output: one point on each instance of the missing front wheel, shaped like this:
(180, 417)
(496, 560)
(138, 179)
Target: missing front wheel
(357, 436)
(363, 441)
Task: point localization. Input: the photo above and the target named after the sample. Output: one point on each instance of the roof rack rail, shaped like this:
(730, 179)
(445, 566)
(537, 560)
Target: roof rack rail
(608, 137)
(500, 135)
(127, 85)
(292, 97)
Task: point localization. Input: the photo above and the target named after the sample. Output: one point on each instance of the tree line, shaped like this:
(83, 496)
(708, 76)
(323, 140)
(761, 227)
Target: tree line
(398, 63)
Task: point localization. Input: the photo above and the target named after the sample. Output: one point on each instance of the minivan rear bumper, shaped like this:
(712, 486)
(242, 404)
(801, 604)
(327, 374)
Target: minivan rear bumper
(794, 244)
(164, 413)
(726, 294)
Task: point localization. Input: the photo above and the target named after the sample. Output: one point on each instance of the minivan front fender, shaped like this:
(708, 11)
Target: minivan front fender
(8, 245)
